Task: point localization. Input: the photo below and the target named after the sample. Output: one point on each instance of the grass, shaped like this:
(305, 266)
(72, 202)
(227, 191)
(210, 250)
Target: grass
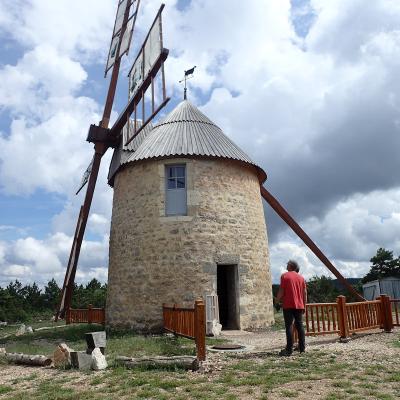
(241, 377)
(125, 343)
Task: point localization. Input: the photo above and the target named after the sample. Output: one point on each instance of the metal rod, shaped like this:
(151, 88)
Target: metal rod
(277, 207)
(121, 120)
(81, 225)
(152, 95)
(163, 104)
(100, 149)
(143, 108)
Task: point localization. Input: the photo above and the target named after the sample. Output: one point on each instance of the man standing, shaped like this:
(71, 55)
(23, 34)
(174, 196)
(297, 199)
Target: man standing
(293, 293)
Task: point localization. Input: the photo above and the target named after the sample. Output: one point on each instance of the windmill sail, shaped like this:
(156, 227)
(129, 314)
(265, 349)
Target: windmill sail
(122, 35)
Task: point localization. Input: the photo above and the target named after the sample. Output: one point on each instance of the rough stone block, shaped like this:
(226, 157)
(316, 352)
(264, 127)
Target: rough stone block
(98, 360)
(81, 360)
(96, 339)
(21, 330)
(62, 356)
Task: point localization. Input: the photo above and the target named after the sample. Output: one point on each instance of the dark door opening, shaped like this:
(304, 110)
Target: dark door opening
(227, 291)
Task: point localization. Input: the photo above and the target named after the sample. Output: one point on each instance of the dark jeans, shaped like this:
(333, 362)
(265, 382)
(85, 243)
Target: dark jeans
(290, 314)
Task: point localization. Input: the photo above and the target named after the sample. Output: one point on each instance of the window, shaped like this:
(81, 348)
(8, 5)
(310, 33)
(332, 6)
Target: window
(175, 193)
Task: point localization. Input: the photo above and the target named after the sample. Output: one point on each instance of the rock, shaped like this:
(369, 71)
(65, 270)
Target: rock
(98, 360)
(95, 339)
(3, 323)
(2, 350)
(81, 360)
(62, 356)
(21, 330)
(216, 328)
(29, 329)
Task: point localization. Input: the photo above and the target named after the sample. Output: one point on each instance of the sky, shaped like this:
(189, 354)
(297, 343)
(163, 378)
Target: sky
(309, 89)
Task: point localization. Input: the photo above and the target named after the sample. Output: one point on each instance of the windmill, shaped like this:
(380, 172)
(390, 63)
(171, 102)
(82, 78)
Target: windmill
(149, 61)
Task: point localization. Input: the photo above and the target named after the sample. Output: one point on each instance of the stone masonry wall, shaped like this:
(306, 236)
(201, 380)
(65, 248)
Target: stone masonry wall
(157, 259)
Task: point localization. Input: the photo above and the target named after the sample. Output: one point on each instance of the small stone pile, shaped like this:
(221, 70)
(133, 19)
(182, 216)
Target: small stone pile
(92, 358)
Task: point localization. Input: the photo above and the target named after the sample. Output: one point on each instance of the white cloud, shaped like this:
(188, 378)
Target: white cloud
(349, 234)
(16, 271)
(39, 261)
(75, 28)
(319, 113)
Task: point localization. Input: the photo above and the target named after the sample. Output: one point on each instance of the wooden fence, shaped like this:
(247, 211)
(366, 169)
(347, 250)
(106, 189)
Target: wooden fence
(189, 323)
(395, 311)
(88, 315)
(346, 318)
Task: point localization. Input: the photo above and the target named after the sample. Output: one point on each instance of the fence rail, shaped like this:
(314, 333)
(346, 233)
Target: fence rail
(364, 315)
(395, 311)
(88, 315)
(321, 318)
(345, 318)
(189, 323)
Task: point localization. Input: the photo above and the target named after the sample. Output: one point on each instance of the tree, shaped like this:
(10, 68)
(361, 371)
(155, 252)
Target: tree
(51, 295)
(321, 289)
(383, 264)
(32, 297)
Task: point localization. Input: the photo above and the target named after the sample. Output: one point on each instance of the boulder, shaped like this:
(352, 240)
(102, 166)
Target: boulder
(62, 356)
(29, 329)
(216, 328)
(21, 330)
(98, 360)
(81, 360)
(95, 339)
(2, 351)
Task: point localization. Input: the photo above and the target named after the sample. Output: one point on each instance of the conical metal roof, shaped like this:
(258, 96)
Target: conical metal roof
(186, 131)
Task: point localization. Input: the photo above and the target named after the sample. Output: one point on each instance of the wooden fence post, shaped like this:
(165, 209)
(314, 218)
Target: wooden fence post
(200, 329)
(175, 319)
(386, 313)
(342, 314)
(68, 316)
(89, 315)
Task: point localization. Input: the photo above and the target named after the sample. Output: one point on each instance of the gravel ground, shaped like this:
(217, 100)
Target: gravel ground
(372, 348)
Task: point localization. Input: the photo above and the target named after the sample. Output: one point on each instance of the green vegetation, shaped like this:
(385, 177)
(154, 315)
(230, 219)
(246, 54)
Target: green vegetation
(118, 342)
(258, 378)
(315, 374)
(26, 303)
(383, 265)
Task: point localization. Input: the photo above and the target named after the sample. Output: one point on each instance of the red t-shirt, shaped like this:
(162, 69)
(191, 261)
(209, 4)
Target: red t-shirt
(293, 285)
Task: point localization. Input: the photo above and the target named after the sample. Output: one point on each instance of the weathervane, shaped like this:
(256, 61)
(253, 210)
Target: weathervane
(187, 73)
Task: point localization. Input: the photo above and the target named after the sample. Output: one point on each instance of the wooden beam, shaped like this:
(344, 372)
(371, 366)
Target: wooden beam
(274, 203)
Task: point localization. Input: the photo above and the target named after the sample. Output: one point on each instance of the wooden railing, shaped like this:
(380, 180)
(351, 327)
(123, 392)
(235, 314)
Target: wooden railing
(321, 318)
(189, 323)
(346, 318)
(364, 315)
(395, 311)
(88, 315)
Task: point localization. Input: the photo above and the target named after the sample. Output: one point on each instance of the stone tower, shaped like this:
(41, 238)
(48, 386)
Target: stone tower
(187, 221)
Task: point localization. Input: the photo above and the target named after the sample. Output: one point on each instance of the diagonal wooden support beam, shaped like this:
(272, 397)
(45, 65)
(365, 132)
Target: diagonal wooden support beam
(274, 203)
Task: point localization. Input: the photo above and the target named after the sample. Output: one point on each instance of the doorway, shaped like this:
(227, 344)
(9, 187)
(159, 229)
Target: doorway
(228, 296)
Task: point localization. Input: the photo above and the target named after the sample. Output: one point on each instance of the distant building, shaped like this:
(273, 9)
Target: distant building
(187, 222)
(389, 286)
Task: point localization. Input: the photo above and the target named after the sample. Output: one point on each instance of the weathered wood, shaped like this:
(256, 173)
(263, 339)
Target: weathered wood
(387, 313)
(343, 318)
(186, 362)
(28, 359)
(200, 329)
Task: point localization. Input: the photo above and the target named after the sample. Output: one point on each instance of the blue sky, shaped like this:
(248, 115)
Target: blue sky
(309, 89)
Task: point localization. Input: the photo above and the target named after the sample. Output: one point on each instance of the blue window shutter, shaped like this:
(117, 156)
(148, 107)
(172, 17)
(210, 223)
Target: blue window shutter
(175, 190)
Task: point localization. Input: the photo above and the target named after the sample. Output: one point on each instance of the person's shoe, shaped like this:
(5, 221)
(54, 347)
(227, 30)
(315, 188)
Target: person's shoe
(285, 353)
